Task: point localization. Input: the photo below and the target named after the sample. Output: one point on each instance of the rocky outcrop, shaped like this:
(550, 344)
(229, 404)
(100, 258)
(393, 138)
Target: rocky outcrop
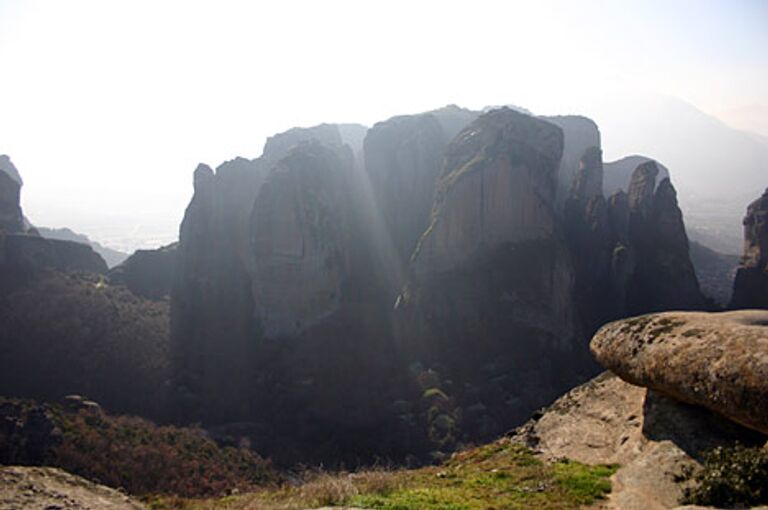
(652, 437)
(45, 488)
(147, 273)
(750, 288)
(718, 361)
(618, 174)
(11, 218)
(630, 251)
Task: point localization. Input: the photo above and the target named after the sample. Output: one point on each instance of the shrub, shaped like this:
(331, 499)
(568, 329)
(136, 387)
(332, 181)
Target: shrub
(142, 458)
(734, 476)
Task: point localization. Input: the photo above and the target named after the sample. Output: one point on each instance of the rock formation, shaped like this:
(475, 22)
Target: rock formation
(618, 174)
(491, 285)
(718, 361)
(11, 218)
(750, 288)
(299, 242)
(147, 273)
(403, 159)
(630, 251)
(289, 266)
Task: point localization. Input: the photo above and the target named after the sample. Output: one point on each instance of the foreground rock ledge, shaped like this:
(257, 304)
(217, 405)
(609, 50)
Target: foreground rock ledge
(715, 360)
(42, 488)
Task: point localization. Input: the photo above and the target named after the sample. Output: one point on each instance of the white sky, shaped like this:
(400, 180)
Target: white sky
(107, 106)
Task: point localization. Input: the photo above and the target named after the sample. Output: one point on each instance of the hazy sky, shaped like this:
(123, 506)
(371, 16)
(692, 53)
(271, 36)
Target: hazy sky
(107, 106)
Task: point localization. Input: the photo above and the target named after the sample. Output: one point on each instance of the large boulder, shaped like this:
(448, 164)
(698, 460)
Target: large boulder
(718, 361)
(652, 438)
(751, 285)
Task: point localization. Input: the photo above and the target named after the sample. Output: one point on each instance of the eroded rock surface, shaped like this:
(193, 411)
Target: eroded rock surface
(718, 361)
(651, 436)
(42, 488)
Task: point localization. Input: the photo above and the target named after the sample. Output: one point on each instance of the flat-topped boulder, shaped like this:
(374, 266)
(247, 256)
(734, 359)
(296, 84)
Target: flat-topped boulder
(715, 360)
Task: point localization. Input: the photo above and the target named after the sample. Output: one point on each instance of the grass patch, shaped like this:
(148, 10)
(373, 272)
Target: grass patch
(499, 476)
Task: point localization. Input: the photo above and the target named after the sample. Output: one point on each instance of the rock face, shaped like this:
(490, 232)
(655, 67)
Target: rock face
(403, 159)
(147, 273)
(298, 240)
(11, 218)
(212, 325)
(651, 436)
(751, 285)
(43, 488)
(718, 361)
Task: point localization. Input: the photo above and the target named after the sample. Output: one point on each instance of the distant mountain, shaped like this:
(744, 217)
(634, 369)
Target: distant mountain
(110, 256)
(752, 118)
(715, 168)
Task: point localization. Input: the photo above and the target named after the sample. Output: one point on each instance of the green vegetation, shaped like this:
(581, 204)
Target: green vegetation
(730, 477)
(127, 452)
(501, 475)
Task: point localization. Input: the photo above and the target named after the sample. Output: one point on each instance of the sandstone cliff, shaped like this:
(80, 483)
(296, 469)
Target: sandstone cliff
(751, 285)
(298, 236)
(403, 159)
(490, 297)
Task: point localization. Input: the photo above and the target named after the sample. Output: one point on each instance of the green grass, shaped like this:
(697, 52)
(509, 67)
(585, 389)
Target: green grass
(497, 476)
(501, 475)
